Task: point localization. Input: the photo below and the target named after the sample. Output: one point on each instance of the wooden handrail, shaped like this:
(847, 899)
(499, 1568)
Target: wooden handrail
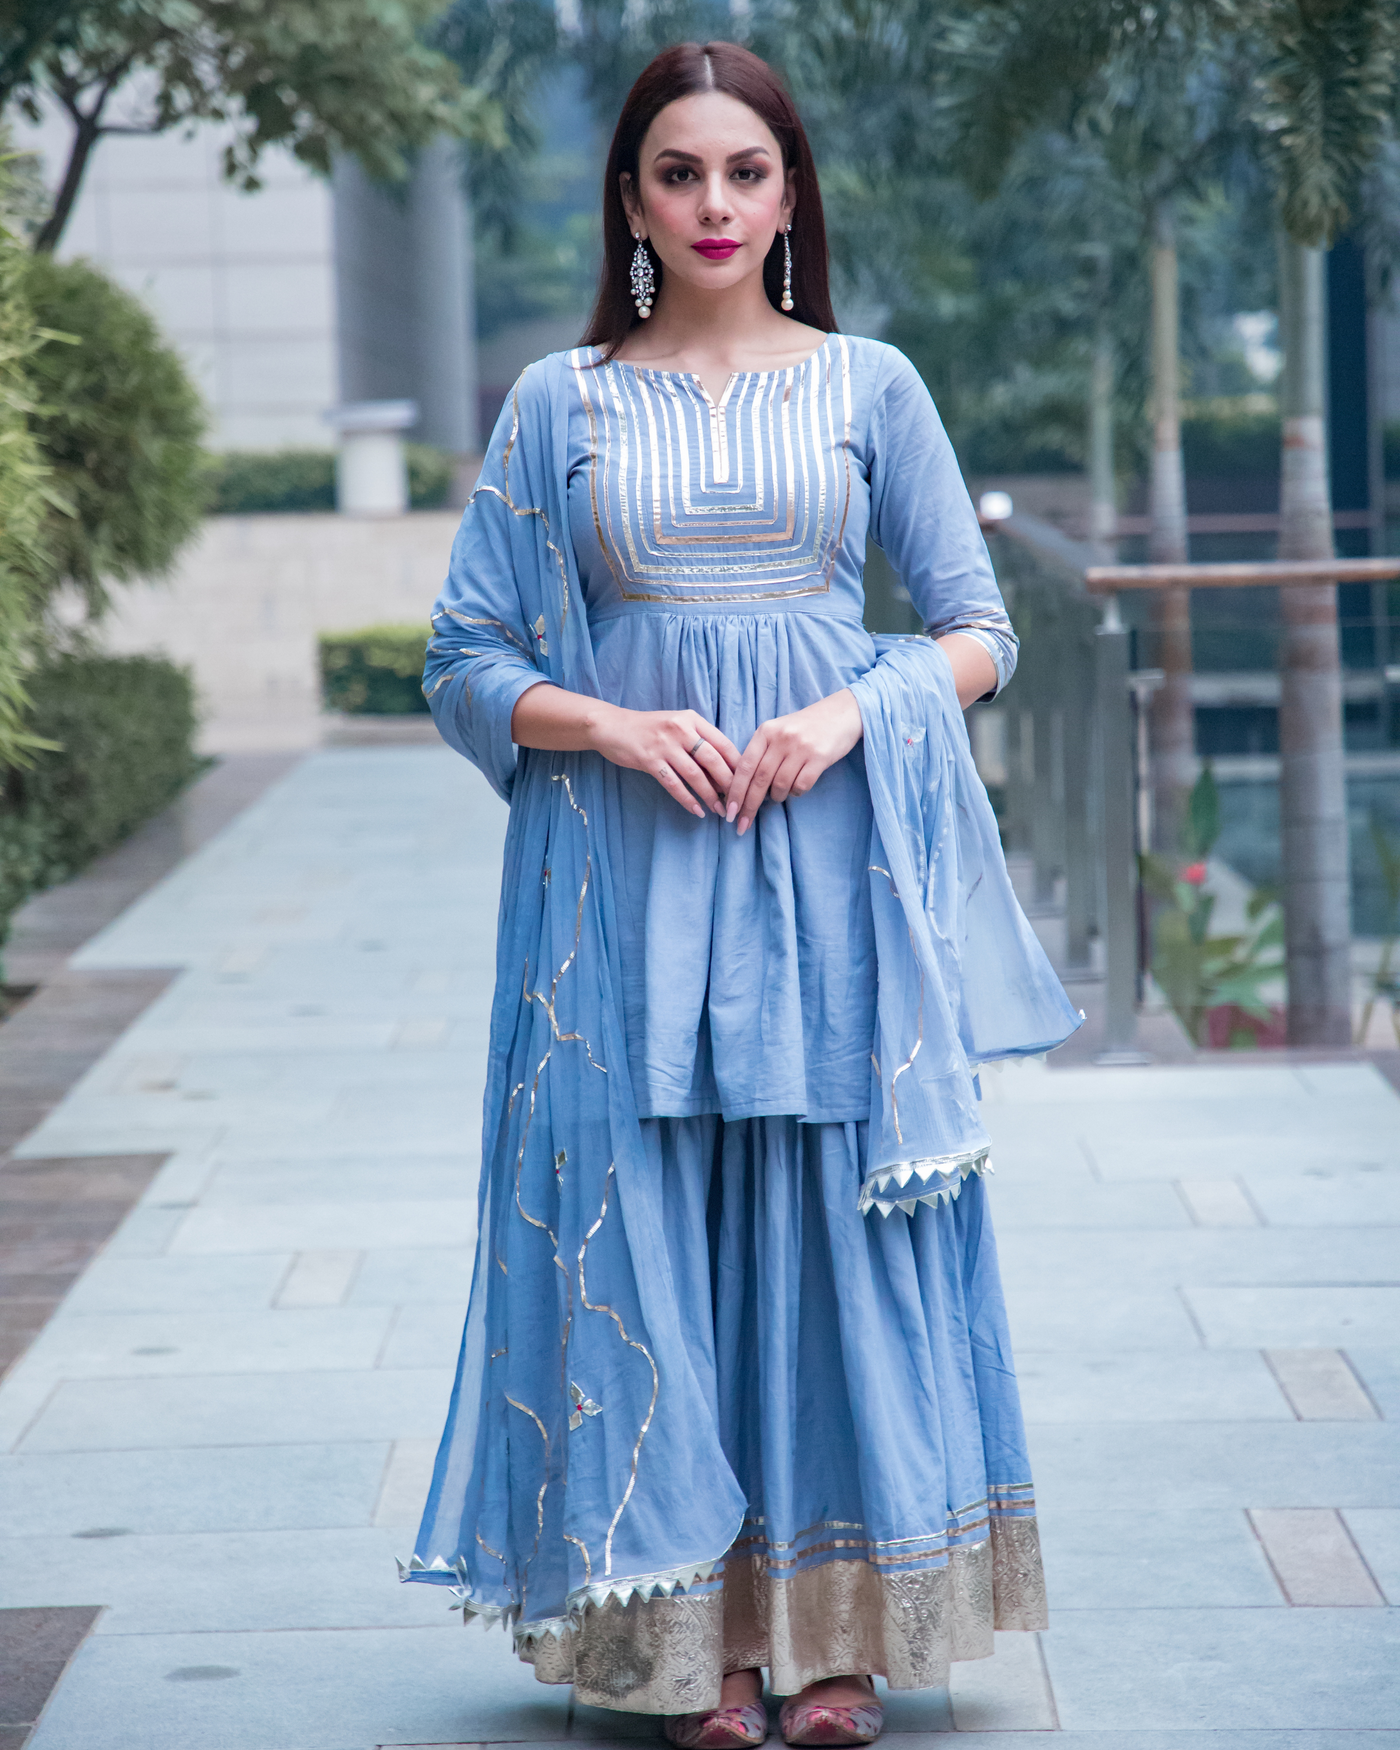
(1109, 579)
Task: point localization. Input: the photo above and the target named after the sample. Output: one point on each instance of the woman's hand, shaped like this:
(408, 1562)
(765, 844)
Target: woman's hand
(787, 755)
(680, 749)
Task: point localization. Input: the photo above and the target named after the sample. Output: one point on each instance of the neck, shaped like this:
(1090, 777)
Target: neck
(688, 318)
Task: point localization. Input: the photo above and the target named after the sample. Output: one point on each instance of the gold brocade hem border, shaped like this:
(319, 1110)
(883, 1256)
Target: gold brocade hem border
(668, 1654)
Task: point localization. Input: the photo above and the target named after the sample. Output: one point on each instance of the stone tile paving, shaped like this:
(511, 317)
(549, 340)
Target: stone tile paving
(56, 1214)
(223, 1436)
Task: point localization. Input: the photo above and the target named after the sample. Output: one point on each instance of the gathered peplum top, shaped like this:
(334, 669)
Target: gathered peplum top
(720, 548)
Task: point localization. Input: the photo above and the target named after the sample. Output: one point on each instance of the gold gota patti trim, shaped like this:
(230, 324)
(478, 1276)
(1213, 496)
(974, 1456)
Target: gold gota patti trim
(936, 1179)
(740, 500)
(504, 493)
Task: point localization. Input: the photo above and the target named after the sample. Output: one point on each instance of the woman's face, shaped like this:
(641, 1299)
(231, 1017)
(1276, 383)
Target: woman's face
(710, 192)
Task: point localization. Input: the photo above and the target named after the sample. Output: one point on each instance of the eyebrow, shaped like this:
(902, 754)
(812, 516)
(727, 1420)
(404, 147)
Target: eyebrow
(733, 158)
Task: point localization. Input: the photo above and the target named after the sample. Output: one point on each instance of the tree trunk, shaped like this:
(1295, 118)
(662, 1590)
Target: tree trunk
(1173, 719)
(1103, 510)
(86, 133)
(1312, 780)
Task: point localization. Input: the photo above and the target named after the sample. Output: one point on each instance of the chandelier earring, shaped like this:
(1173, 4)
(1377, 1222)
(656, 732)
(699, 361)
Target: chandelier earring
(787, 266)
(643, 278)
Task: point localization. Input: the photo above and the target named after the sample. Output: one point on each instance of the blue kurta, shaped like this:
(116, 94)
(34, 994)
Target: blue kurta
(721, 550)
(710, 1412)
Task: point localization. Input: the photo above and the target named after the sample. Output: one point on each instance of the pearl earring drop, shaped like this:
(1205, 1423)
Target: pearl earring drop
(643, 278)
(787, 268)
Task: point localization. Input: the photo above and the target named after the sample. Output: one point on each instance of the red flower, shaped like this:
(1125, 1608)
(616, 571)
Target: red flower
(1195, 873)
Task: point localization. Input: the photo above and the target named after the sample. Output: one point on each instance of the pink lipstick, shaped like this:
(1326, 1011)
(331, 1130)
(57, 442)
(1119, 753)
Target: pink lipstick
(716, 248)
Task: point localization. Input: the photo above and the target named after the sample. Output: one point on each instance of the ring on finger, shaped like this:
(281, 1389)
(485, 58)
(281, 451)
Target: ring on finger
(699, 743)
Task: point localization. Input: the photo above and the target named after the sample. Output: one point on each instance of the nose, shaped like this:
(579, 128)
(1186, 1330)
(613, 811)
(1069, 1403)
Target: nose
(714, 202)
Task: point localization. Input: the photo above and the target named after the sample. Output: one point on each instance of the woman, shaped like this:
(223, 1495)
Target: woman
(735, 1388)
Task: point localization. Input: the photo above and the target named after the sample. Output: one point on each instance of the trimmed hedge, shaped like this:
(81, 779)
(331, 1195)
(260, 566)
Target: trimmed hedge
(258, 482)
(1230, 446)
(125, 726)
(377, 671)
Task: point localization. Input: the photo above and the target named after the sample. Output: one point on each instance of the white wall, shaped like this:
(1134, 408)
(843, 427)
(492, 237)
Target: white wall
(243, 284)
(247, 599)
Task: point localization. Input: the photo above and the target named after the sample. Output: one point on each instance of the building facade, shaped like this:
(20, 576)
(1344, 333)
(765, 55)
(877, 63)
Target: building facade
(294, 299)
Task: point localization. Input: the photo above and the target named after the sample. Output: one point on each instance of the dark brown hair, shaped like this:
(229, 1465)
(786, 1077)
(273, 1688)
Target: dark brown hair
(682, 71)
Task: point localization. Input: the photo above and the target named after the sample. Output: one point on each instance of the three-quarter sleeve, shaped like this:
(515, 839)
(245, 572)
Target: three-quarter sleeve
(481, 656)
(922, 517)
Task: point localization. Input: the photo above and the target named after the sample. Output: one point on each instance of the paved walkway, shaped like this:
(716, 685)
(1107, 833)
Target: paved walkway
(223, 1435)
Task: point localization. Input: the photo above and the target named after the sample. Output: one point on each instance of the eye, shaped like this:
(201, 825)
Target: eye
(750, 173)
(682, 172)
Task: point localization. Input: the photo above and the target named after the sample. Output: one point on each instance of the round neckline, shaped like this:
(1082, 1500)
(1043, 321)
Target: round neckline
(734, 376)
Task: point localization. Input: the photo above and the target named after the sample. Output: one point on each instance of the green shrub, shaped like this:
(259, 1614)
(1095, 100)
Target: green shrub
(119, 423)
(254, 482)
(430, 474)
(376, 672)
(24, 868)
(1229, 446)
(27, 571)
(263, 482)
(125, 728)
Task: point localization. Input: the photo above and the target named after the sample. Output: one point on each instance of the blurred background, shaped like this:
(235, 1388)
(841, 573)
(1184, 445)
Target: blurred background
(268, 274)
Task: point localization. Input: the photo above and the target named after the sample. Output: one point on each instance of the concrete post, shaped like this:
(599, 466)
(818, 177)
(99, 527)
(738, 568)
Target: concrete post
(1118, 909)
(1044, 813)
(371, 474)
(1078, 691)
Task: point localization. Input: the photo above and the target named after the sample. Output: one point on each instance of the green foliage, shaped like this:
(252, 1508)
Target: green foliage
(124, 728)
(27, 571)
(430, 474)
(312, 76)
(120, 746)
(119, 424)
(254, 482)
(616, 39)
(24, 869)
(1229, 446)
(546, 270)
(257, 482)
(26, 27)
(535, 210)
(1073, 122)
(377, 671)
(503, 50)
(1327, 97)
(1194, 970)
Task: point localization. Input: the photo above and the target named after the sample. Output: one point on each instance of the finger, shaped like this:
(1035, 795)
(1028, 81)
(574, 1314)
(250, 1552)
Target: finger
(744, 772)
(694, 774)
(780, 786)
(720, 770)
(672, 785)
(808, 776)
(757, 792)
(712, 762)
(721, 744)
(719, 741)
